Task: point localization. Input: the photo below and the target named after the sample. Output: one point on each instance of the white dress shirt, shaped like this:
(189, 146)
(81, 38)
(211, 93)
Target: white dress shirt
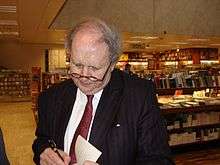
(76, 116)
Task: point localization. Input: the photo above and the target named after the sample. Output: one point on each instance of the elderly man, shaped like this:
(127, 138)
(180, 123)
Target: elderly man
(116, 112)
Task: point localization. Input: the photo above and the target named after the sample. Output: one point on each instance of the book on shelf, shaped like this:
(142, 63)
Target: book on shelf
(14, 83)
(196, 119)
(183, 80)
(194, 136)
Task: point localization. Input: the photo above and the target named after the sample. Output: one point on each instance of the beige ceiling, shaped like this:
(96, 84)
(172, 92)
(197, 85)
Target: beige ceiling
(32, 18)
(146, 25)
(8, 19)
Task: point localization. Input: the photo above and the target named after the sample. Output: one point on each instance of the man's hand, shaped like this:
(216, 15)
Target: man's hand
(49, 157)
(87, 162)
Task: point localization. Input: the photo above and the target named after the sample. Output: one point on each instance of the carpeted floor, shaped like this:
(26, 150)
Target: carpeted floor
(18, 126)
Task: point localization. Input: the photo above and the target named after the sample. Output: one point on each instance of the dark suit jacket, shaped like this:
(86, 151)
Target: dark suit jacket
(129, 101)
(3, 156)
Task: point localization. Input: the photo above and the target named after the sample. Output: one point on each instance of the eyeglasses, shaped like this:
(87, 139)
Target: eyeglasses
(91, 78)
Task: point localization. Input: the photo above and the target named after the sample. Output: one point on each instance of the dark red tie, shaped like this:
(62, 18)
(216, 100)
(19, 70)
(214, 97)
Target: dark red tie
(83, 127)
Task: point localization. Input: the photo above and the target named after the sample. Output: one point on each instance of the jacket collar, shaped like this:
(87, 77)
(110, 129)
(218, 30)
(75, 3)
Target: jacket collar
(64, 106)
(107, 109)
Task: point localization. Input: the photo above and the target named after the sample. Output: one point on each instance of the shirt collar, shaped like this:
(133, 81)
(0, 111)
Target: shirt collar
(97, 95)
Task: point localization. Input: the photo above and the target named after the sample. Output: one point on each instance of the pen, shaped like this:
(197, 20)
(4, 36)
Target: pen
(54, 148)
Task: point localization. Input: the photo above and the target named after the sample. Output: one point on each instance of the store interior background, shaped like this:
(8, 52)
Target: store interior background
(29, 27)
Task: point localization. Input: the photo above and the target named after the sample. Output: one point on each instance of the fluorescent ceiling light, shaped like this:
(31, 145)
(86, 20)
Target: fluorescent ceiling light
(132, 41)
(9, 22)
(215, 44)
(139, 63)
(199, 46)
(8, 9)
(209, 61)
(198, 39)
(9, 33)
(171, 63)
(162, 45)
(146, 37)
(149, 47)
(179, 43)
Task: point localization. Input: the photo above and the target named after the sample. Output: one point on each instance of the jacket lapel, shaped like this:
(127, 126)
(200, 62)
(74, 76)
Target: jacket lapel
(64, 107)
(107, 110)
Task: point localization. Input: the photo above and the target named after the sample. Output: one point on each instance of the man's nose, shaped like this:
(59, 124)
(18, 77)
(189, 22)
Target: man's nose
(85, 72)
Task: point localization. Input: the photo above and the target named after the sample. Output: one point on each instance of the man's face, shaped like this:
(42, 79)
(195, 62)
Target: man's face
(90, 61)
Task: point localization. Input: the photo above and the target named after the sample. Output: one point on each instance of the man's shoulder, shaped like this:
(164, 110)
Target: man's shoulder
(59, 87)
(132, 80)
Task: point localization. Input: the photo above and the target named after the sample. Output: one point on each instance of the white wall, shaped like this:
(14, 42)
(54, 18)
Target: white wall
(16, 55)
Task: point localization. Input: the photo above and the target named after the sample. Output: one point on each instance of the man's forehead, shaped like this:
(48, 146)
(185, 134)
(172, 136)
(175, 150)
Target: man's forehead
(88, 37)
(88, 32)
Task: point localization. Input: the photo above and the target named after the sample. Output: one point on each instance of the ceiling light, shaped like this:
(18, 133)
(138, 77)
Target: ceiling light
(147, 47)
(210, 61)
(171, 63)
(146, 37)
(8, 9)
(151, 37)
(179, 43)
(198, 39)
(199, 46)
(139, 63)
(215, 44)
(9, 22)
(132, 41)
(162, 45)
(9, 33)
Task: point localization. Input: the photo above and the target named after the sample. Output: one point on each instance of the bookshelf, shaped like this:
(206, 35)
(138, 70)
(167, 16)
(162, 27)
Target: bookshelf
(189, 125)
(171, 91)
(35, 90)
(201, 108)
(186, 71)
(14, 85)
(48, 79)
(40, 82)
(180, 58)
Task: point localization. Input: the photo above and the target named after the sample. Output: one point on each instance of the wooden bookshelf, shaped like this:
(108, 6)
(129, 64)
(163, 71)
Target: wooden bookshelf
(14, 86)
(192, 125)
(35, 90)
(191, 128)
(203, 108)
(171, 91)
(198, 143)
